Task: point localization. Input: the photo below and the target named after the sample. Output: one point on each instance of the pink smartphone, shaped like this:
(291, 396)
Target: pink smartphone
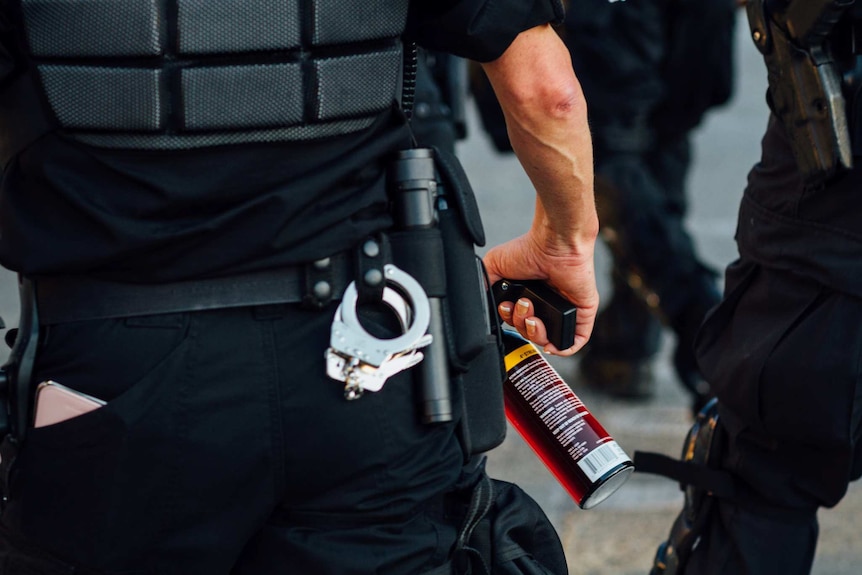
(56, 403)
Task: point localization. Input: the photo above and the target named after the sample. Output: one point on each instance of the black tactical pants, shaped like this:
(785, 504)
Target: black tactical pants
(224, 448)
(783, 354)
(643, 196)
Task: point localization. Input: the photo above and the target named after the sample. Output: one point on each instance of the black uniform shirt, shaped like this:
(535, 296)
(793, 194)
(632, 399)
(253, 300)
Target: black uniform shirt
(144, 216)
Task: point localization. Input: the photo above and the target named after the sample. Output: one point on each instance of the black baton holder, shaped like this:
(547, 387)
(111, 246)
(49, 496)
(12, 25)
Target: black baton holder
(418, 250)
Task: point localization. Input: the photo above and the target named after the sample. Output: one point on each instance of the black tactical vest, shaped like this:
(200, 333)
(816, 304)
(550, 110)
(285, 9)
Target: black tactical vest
(168, 74)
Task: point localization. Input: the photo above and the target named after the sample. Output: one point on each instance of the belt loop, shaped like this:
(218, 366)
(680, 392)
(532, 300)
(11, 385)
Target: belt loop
(371, 255)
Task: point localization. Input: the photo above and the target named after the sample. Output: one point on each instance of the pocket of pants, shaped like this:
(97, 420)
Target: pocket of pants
(526, 542)
(72, 478)
(722, 351)
(106, 359)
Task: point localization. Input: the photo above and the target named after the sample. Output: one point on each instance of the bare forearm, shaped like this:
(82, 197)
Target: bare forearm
(547, 122)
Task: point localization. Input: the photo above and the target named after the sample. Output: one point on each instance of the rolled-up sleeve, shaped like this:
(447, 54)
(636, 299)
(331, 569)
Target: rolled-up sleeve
(477, 29)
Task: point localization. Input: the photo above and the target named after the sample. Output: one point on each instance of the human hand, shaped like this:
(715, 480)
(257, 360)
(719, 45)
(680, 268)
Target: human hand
(572, 274)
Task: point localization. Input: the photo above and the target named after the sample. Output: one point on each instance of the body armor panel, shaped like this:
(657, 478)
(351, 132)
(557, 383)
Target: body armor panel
(191, 73)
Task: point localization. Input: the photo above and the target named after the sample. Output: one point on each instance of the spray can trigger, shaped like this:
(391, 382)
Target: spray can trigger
(556, 312)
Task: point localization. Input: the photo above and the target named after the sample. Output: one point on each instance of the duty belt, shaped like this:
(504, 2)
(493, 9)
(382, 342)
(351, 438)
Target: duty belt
(62, 299)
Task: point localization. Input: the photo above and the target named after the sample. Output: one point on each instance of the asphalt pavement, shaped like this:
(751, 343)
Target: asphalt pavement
(620, 535)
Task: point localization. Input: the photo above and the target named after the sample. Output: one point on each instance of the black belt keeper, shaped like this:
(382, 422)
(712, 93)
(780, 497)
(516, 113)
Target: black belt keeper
(63, 299)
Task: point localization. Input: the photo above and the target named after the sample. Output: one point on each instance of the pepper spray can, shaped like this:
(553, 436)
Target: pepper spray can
(568, 439)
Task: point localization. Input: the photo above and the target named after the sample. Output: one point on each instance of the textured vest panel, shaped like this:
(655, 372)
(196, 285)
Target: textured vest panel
(190, 73)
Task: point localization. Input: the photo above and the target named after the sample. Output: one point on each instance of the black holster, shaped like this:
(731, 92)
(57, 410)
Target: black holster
(478, 346)
(444, 261)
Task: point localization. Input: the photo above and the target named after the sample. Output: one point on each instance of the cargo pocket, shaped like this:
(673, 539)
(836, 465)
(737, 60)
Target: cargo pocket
(809, 379)
(757, 350)
(525, 542)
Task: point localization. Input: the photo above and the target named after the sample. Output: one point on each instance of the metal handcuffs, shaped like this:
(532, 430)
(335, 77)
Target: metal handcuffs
(364, 362)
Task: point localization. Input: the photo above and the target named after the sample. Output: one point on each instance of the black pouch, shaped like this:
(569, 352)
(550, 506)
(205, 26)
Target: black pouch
(475, 346)
(522, 538)
(505, 532)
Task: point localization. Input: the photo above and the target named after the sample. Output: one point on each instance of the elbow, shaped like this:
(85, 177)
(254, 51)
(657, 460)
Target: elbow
(566, 103)
(560, 102)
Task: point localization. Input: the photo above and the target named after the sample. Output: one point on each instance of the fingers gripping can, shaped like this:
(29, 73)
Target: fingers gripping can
(568, 439)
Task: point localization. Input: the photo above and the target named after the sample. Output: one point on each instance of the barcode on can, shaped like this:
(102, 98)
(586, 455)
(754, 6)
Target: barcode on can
(602, 459)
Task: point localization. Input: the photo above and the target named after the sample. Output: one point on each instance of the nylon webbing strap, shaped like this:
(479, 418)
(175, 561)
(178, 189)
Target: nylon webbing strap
(717, 483)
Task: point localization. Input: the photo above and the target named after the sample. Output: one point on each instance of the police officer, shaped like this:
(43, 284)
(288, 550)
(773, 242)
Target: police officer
(781, 351)
(650, 71)
(190, 189)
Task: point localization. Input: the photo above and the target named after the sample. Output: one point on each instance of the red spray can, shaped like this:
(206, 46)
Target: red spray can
(553, 420)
